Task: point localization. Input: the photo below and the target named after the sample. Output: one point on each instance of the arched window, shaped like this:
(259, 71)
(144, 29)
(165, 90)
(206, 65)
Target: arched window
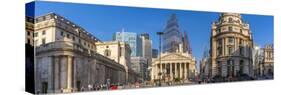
(230, 29)
(107, 52)
(230, 50)
(218, 30)
(230, 20)
(241, 50)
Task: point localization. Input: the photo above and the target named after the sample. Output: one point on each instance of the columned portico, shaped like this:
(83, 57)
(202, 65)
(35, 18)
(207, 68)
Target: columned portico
(172, 66)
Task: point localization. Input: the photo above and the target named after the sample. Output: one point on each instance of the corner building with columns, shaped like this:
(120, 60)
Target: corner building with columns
(231, 46)
(66, 59)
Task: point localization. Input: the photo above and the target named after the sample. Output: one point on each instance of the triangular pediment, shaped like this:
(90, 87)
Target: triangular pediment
(174, 56)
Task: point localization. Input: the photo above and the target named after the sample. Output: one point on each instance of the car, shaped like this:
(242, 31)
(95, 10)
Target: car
(113, 87)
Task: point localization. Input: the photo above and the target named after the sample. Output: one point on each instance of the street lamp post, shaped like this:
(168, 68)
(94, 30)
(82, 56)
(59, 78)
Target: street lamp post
(160, 34)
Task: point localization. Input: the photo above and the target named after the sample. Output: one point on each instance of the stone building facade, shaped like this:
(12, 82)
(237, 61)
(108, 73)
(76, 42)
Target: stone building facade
(140, 65)
(268, 61)
(66, 58)
(231, 46)
(205, 66)
(29, 29)
(120, 52)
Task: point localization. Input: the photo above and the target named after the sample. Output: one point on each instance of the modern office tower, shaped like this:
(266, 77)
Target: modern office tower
(172, 37)
(129, 38)
(145, 47)
(154, 53)
(186, 43)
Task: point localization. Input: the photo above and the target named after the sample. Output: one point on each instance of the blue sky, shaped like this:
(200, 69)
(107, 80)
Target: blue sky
(103, 21)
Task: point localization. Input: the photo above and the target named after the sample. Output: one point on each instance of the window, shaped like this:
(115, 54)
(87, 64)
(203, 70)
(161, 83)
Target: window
(43, 41)
(79, 41)
(230, 40)
(44, 32)
(230, 20)
(28, 33)
(241, 50)
(220, 42)
(120, 53)
(67, 35)
(218, 30)
(230, 29)
(35, 34)
(44, 88)
(28, 41)
(219, 51)
(230, 50)
(219, 47)
(73, 38)
(241, 31)
(230, 67)
(219, 67)
(36, 42)
(61, 33)
(241, 42)
(107, 52)
(241, 67)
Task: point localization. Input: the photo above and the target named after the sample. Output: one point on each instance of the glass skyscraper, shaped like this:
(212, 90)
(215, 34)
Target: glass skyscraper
(173, 38)
(129, 38)
(172, 35)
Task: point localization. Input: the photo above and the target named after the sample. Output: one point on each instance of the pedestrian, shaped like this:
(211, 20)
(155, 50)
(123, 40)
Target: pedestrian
(82, 88)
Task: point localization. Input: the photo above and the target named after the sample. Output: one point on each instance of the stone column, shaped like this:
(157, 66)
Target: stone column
(165, 67)
(181, 70)
(222, 40)
(187, 70)
(152, 72)
(157, 72)
(69, 73)
(184, 72)
(236, 46)
(52, 74)
(63, 73)
(171, 72)
(56, 73)
(164, 71)
(74, 85)
(176, 70)
(161, 69)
